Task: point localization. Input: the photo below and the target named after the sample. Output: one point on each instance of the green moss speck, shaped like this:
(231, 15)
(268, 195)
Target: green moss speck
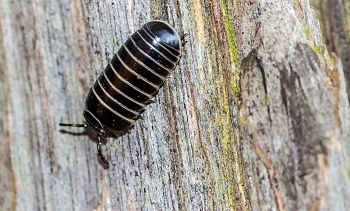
(267, 103)
(235, 87)
(231, 34)
(243, 120)
(228, 145)
(331, 62)
(307, 32)
(317, 50)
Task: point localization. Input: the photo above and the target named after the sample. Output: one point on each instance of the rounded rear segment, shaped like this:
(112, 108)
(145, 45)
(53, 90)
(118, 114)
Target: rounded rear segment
(164, 35)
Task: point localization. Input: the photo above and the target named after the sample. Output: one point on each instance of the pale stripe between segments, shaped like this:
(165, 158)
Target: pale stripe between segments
(109, 108)
(162, 45)
(142, 64)
(122, 93)
(127, 82)
(135, 73)
(145, 54)
(114, 100)
(151, 46)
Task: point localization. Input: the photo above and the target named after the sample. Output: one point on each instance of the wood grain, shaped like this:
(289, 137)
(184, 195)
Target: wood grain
(255, 116)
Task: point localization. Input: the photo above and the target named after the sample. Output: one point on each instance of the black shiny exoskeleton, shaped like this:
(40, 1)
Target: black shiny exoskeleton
(131, 79)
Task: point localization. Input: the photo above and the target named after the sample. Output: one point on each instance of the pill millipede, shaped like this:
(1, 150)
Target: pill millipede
(130, 80)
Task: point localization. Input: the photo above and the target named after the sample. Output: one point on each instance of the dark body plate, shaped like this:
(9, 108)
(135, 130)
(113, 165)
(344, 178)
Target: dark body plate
(133, 77)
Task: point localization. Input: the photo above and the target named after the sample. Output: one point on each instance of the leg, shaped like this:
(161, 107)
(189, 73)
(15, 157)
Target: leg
(74, 125)
(99, 152)
(183, 41)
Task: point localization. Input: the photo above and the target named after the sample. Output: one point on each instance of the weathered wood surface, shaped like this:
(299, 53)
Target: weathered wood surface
(334, 19)
(295, 115)
(268, 132)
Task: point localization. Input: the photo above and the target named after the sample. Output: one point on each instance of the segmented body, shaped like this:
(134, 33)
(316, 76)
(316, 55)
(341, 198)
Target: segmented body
(133, 77)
